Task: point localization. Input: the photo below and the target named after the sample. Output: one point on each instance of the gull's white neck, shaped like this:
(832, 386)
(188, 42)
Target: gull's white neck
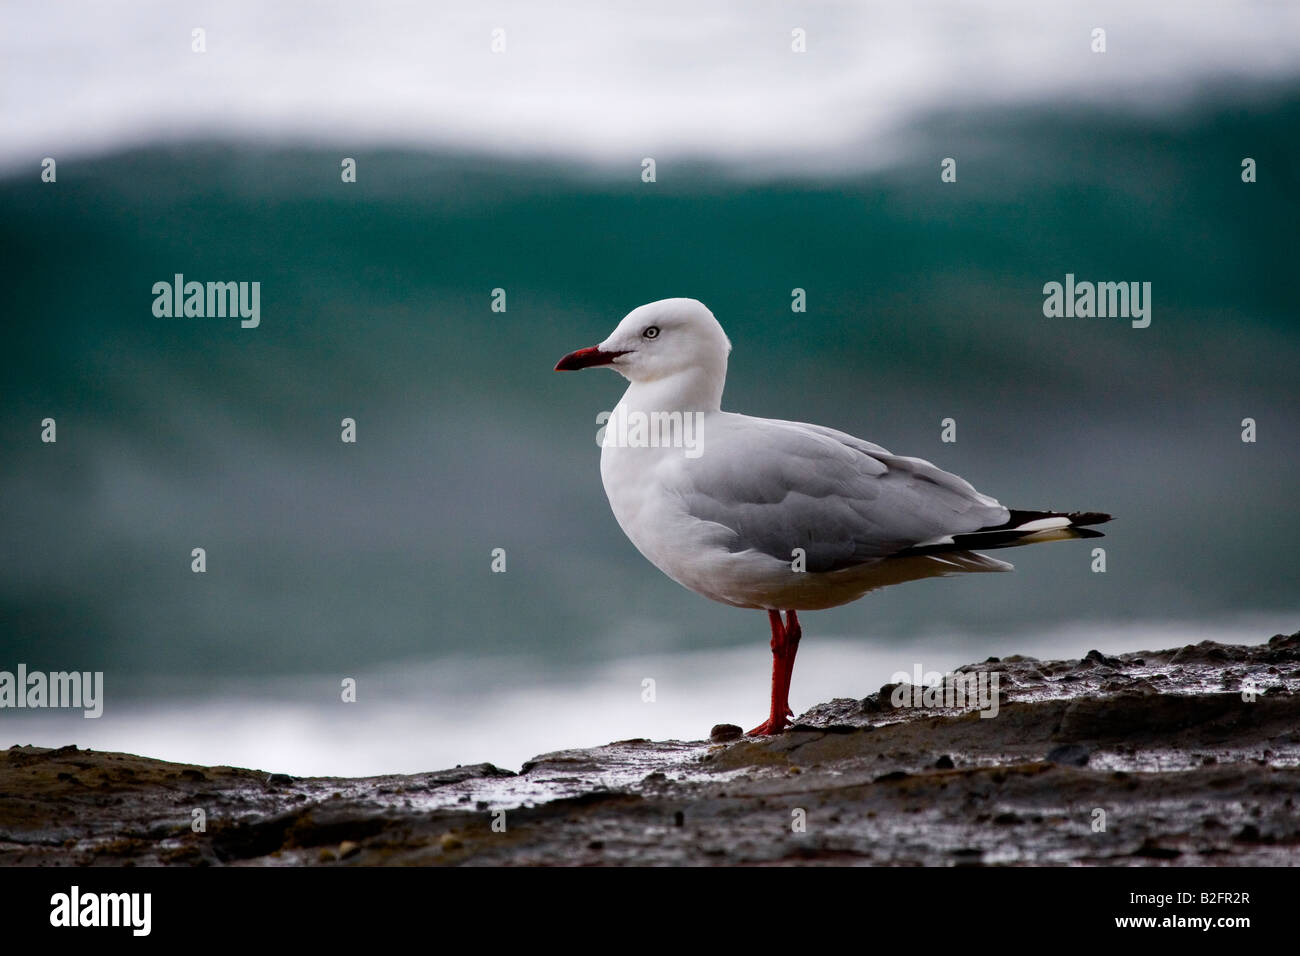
(696, 389)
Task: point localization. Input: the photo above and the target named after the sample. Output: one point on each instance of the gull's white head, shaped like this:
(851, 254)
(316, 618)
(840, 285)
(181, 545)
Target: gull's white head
(658, 341)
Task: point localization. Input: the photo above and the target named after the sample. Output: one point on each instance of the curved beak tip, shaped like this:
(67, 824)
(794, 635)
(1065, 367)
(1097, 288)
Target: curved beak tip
(585, 358)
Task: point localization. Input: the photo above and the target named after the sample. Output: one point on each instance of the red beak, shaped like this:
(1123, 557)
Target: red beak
(586, 358)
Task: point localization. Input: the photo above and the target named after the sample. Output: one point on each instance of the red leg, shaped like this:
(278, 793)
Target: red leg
(785, 643)
(793, 632)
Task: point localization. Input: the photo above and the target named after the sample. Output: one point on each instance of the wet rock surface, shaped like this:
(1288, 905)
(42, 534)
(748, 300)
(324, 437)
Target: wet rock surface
(1188, 756)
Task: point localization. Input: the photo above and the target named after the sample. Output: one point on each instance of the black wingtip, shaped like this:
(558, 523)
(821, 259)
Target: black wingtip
(1079, 518)
(1018, 517)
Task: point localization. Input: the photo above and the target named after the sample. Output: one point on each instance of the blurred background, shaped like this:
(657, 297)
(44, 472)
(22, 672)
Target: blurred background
(522, 170)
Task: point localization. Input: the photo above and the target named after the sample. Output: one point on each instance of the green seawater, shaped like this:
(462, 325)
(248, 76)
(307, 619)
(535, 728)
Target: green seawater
(924, 302)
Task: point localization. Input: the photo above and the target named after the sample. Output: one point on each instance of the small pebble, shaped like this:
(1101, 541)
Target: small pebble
(1074, 755)
(724, 732)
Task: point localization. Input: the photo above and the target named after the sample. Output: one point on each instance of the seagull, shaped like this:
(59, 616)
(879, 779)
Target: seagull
(773, 515)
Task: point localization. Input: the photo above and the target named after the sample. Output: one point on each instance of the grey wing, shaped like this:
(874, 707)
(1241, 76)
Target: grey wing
(773, 486)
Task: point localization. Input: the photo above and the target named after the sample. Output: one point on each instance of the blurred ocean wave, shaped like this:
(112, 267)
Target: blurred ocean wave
(925, 302)
(591, 82)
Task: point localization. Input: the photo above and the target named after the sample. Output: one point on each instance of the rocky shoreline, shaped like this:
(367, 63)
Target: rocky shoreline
(1188, 756)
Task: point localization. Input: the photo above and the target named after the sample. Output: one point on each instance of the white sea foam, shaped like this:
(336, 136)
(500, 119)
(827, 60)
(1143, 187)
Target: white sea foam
(432, 715)
(600, 82)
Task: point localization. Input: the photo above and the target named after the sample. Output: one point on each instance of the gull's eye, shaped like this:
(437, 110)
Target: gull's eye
(651, 333)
